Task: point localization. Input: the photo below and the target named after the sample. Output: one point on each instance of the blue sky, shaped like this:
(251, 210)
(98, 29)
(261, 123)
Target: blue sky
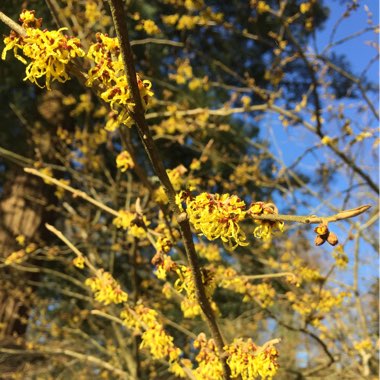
(356, 50)
(290, 143)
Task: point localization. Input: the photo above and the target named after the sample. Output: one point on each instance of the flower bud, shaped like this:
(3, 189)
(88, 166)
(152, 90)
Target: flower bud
(332, 239)
(321, 229)
(319, 240)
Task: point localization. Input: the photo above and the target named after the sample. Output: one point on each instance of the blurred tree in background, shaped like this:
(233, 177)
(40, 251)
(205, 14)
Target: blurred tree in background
(255, 125)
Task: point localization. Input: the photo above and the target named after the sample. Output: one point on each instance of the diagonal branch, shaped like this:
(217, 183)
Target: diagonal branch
(138, 116)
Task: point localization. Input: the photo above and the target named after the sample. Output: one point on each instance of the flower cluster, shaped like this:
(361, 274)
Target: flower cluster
(208, 251)
(163, 264)
(144, 321)
(94, 13)
(21, 255)
(190, 21)
(262, 293)
(341, 258)
(108, 71)
(15, 257)
(184, 75)
(106, 288)
(290, 262)
(364, 345)
(136, 224)
(124, 161)
(149, 27)
(217, 216)
(315, 304)
(164, 244)
(49, 52)
(185, 283)
(265, 228)
(247, 361)
(209, 365)
(178, 179)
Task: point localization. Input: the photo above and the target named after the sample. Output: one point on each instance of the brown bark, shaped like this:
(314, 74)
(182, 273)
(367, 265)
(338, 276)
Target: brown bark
(22, 211)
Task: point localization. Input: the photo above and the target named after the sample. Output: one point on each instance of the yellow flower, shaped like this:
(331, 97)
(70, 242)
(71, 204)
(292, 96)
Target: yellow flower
(305, 7)
(163, 244)
(170, 19)
(164, 264)
(246, 101)
(20, 240)
(341, 259)
(185, 283)
(177, 179)
(265, 228)
(321, 300)
(79, 262)
(364, 345)
(106, 288)
(218, 216)
(154, 337)
(49, 52)
(248, 361)
(228, 278)
(109, 71)
(124, 219)
(16, 257)
(208, 251)
(124, 161)
(195, 164)
(195, 83)
(149, 26)
(187, 22)
(92, 12)
(209, 365)
(184, 72)
(134, 223)
(84, 105)
(262, 7)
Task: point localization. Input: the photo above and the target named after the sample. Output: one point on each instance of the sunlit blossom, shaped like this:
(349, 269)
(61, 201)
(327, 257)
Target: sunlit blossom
(265, 228)
(124, 161)
(108, 71)
(218, 216)
(47, 53)
(248, 361)
(106, 289)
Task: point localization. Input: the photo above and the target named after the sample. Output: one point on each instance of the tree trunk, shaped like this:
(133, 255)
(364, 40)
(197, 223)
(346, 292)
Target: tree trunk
(22, 212)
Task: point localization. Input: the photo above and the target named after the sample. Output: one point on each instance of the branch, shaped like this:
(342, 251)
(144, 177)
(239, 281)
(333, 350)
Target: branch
(138, 116)
(350, 163)
(317, 110)
(62, 237)
(269, 275)
(13, 25)
(159, 41)
(73, 354)
(353, 79)
(313, 219)
(75, 192)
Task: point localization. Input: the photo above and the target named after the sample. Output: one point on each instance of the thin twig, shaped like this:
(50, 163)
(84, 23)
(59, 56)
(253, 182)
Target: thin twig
(13, 25)
(62, 237)
(58, 351)
(75, 192)
(158, 41)
(269, 275)
(313, 219)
